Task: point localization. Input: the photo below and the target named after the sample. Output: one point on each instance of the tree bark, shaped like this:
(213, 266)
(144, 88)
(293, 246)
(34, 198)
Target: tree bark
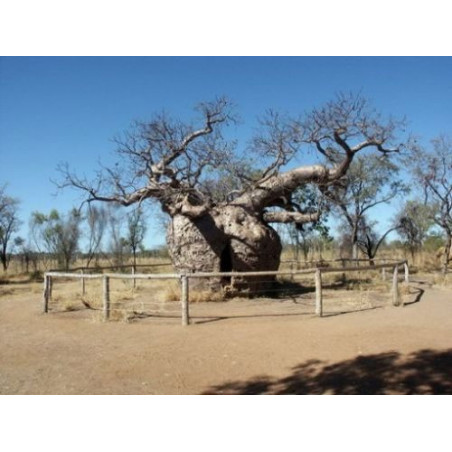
(226, 239)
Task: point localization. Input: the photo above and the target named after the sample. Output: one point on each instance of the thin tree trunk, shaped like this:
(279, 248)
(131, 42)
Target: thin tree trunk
(446, 257)
(355, 242)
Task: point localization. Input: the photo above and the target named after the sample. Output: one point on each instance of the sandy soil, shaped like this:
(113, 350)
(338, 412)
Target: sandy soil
(236, 347)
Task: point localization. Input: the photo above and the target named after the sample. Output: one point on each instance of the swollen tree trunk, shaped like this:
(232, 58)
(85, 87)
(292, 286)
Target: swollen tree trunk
(226, 239)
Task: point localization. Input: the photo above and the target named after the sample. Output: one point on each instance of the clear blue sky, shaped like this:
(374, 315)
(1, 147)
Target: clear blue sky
(67, 109)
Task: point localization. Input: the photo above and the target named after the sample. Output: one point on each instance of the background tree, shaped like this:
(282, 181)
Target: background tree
(117, 247)
(413, 223)
(96, 221)
(370, 181)
(9, 224)
(306, 237)
(433, 171)
(24, 253)
(174, 163)
(369, 241)
(136, 230)
(59, 234)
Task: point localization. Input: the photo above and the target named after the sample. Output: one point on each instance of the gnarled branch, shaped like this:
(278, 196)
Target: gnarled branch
(290, 217)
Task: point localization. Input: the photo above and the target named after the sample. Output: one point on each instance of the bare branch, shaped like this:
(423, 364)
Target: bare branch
(290, 217)
(161, 159)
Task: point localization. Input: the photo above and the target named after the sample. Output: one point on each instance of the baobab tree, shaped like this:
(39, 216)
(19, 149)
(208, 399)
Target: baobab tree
(221, 205)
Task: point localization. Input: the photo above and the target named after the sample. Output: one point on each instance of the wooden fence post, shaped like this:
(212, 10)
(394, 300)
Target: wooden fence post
(407, 272)
(106, 296)
(395, 287)
(185, 300)
(82, 279)
(46, 294)
(50, 287)
(318, 293)
(134, 280)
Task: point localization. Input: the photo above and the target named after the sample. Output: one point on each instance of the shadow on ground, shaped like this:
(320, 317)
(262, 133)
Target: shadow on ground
(423, 372)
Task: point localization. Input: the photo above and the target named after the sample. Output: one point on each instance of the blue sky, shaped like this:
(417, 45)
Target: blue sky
(67, 109)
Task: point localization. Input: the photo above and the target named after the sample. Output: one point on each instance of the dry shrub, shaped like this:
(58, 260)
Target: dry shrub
(121, 297)
(97, 316)
(440, 279)
(121, 315)
(171, 292)
(365, 300)
(404, 289)
(69, 306)
(6, 292)
(197, 296)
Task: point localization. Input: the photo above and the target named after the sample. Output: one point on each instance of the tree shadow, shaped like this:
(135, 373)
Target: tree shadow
(422, 372)
(417, 298)
(198, 320)
(283, 288)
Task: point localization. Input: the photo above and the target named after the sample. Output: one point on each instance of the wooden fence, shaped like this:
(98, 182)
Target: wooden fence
(185, 277)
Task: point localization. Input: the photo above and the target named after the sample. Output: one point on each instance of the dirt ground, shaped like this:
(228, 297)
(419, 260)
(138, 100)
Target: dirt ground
(235, 347)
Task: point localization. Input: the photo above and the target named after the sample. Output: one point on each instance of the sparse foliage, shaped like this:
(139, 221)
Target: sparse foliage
(371, 180)
(59, 234)
(413, 223)
(118, 244)
(136, 230)
(305, 237)
(96, 221)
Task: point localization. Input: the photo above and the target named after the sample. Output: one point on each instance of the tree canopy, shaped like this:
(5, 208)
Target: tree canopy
(190, 168)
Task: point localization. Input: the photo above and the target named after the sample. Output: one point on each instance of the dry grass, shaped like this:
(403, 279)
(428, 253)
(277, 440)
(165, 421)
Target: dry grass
(199, 296)
(164, 266)
(169, 290)
(149, 297)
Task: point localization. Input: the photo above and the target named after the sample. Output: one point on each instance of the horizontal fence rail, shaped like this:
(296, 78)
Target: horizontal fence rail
(185, 277)
(113, 267)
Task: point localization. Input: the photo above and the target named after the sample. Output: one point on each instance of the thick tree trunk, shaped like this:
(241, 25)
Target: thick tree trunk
(226, 239)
